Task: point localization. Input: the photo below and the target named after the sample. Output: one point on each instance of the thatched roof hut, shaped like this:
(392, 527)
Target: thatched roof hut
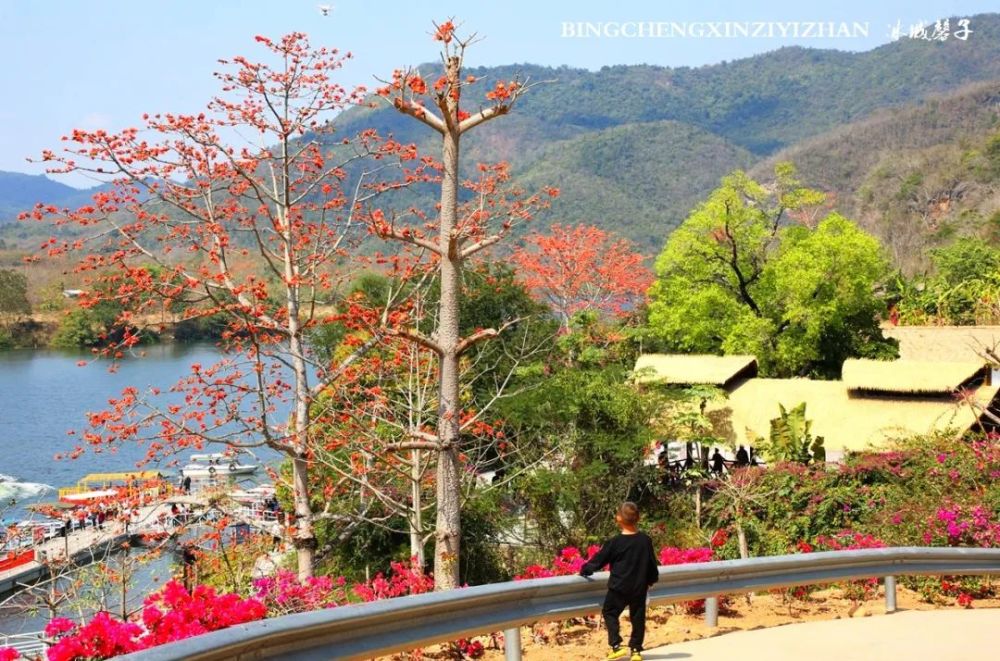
(694, 369)
(913, 377)
(944, 343)
(845, 420)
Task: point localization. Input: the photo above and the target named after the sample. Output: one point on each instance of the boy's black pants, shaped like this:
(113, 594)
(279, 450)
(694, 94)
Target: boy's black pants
(614, 604)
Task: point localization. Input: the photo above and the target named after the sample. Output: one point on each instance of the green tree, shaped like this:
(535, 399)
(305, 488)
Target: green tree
(97, 320)
(737, 277)
(963, 289)
(590, 429)
(14, 302)
(966, 279)
(77, 329)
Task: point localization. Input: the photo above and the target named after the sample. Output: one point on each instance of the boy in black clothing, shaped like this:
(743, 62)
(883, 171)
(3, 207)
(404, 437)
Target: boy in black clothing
(633, 571)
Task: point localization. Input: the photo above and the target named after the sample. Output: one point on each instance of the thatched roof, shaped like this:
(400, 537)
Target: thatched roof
(846, 422)
(944, 343)
(693, 369)
(916, 377)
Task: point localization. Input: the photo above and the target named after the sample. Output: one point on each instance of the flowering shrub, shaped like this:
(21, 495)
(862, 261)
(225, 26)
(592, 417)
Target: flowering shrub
(101, 638)
(848, 540)
(670, 555)
(568, 563)
(175, 614)
(955, 525)
(719, 538)
(965, 589)
(9, 654)
(958, 525)
(171, 614)
(404, 579)
(284, 593)
(845, 540)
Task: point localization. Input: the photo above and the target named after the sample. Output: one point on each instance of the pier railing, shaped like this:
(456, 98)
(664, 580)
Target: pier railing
(383, 627)
(30, 644)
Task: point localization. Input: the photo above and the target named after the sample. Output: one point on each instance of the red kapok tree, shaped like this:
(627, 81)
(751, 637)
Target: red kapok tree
(451, 236)
(245, 210)
(577, 268)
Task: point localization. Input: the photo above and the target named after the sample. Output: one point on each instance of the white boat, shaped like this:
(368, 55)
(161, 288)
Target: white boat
(216, 465)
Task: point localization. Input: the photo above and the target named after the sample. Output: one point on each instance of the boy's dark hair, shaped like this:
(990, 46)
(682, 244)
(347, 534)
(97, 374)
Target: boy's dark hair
(629, 512)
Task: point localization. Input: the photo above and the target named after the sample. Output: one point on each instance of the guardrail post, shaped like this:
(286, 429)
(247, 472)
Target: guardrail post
(512, 644)
(712, 611)
(890, 594)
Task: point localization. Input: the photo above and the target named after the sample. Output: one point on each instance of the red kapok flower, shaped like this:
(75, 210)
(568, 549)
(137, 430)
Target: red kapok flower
(445, 32)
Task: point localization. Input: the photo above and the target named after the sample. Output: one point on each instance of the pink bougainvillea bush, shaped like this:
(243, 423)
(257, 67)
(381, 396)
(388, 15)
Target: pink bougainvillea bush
(403, 579)
(174, 613)
(959, 525)
(171, 614)
(670, 555)
(570, 560)
(568, 563)
(284, 593)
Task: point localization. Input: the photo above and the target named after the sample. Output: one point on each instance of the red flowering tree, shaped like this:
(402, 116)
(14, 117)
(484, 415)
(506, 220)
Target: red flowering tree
(450, 236)
(576, 268)
(371, 472)
(246, 211)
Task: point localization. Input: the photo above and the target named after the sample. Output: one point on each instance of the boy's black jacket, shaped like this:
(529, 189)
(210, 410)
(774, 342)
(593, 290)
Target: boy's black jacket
(632, 560)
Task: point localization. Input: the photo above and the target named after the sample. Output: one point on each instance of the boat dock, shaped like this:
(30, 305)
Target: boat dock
(104, 511)
(82, 547)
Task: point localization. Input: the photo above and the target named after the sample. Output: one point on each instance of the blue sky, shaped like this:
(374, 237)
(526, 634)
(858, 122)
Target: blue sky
(102, 63)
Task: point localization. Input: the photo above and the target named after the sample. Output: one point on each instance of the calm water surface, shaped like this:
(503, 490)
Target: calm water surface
(43, 395)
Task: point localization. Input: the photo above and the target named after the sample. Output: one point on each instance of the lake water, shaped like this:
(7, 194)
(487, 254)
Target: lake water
(43, 395)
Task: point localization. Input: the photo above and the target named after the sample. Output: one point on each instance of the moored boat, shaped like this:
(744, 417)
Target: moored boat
(216, 465)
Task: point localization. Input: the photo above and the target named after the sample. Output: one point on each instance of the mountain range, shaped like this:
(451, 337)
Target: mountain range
(634, 148)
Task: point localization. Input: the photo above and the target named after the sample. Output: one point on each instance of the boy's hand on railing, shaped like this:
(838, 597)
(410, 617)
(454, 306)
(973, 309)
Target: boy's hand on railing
(586, 572)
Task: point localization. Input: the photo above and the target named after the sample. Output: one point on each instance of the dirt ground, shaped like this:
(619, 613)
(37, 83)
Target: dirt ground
(580, 641)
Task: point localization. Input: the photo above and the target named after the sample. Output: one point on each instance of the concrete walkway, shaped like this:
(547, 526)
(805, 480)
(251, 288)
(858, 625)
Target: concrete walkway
(82, 541)
(954, 635)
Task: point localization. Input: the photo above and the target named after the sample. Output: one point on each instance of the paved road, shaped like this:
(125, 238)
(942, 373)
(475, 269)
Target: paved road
(955, 635)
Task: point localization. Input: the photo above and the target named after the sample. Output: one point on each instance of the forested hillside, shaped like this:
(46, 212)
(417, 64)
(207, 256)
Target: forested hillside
(22, 191)
(915, 177)
(634, 147)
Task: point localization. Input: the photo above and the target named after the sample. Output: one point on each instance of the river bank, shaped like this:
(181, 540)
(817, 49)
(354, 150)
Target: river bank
(43, 331)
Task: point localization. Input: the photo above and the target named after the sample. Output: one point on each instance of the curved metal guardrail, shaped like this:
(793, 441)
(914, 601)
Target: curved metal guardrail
(367, 630)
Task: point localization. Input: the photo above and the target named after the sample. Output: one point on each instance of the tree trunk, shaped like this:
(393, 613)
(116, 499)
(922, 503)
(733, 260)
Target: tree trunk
(305, 537)
(416, 511)
(448, 529)
(305, 540)
(741, 537)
